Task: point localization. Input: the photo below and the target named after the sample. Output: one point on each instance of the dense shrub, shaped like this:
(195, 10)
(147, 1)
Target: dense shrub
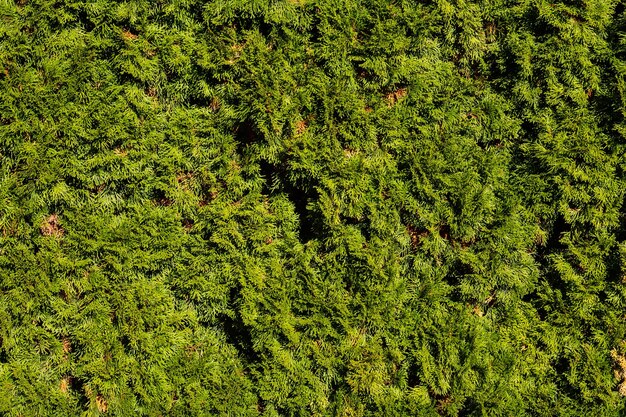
(312, 208)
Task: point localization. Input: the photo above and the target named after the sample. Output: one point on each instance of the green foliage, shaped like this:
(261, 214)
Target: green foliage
(312, 208)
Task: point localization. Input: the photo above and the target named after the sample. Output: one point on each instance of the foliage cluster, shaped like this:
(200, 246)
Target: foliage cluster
(312, 207)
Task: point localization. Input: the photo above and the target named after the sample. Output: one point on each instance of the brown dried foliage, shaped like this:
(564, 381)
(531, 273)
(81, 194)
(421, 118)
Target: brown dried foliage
(64, 386)
(187, 224)
(51, 226)
(393, 97)
(128, 35)
(301, 126)
(620, 371)
(416, 235)
(101, 403)
(349, 152)
(478, 311)
(67, 346)
(120, 152)
(443, 403)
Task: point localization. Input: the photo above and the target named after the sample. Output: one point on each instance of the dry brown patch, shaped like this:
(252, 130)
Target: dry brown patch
(64, 386)
(620, 371)
(184, 177)
(236, 50)
(185, 180)
(187, 224)
(490, 31)
(128, 35)
(51, 227)
(490, 300)
(393, 97)
(195, 349)
(67, 347)
(9, 229)
(443, 404)
(349, 152)
(301, 126)
(164, 202)
(416, 235)
(120, 152)
(478, 311)
(467, 243)
(101, 403)
(444, 231)
(190, 350)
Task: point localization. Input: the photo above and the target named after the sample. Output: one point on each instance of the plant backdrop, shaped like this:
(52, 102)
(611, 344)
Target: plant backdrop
(312, 208)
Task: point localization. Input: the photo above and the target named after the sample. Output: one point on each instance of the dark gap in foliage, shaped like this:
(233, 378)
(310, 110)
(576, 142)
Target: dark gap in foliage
(238, 335)
(268, 171)
(279, 181)
(554, 244)
(530, 297)
(607, 110)
(236, 332)
(84, 20)
(413, 379)
(309, 224)
(77, 385)
(199, 100)
(613, 269)
(74, 182)
(300, 194)
(620, 233)
(362, 224)
(160, 198)
(458, 273)
(246, 24)
(562, 367)
(442, 401)
(620, 8)
(261, 405)
(470, 408)
(246, 134)
(542, 256)
(444, 230)
(266, 29)
(541, 27)
(3, 353)
(126, 344)
(530, 130)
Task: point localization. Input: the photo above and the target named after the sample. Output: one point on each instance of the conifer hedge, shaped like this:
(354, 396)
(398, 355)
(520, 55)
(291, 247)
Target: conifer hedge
(312, 208)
